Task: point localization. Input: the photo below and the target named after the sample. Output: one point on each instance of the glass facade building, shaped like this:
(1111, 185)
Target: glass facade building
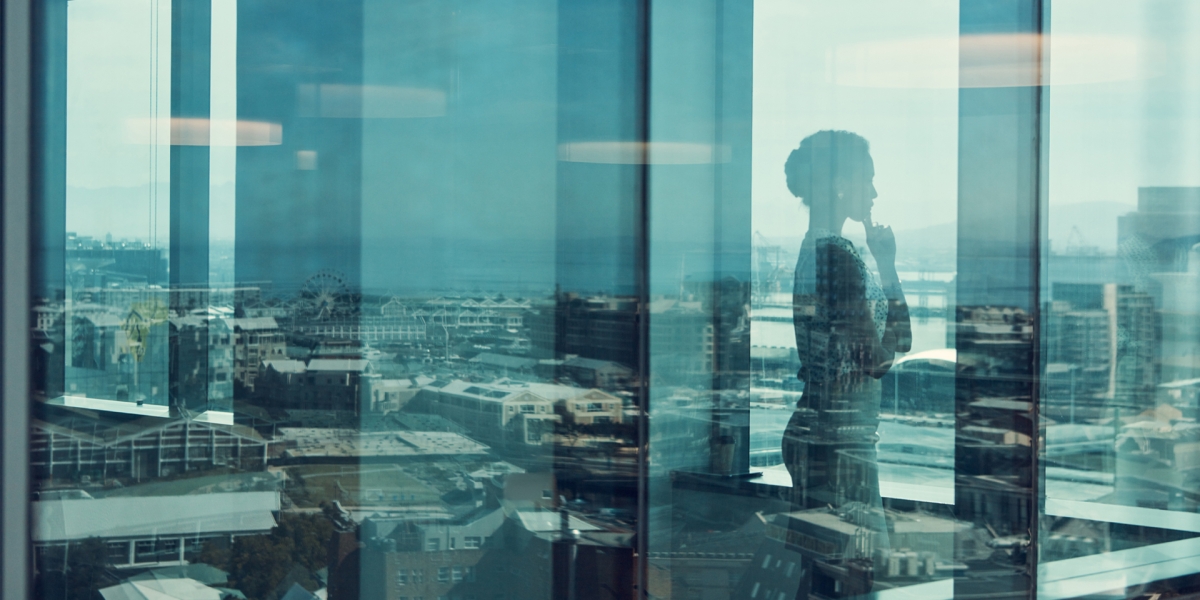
(592, 299)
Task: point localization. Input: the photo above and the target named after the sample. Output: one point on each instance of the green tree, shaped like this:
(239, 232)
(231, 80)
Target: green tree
(216, 552)
(85, 572)
(310, 535)
(257, 564)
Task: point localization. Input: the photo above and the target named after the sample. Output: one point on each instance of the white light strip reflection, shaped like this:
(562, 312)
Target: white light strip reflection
(116, 406)
(942, 589)
(222, 157)
(1127, 515)
(932, 494)
(636, 153)
(1111, 573)
(208, 132)
(992, 60)
(938, 489)
(214, 416)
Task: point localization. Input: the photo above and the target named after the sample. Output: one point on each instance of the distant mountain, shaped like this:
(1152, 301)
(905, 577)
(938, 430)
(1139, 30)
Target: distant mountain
(940, 237)
(943, 236)
(124, 212)
(1096, 223)
(933, 247)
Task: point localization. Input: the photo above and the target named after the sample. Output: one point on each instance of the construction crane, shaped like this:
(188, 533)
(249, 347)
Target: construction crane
(768, 269)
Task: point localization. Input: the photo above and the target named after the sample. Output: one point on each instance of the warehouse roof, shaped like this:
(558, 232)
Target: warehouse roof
(134, 516)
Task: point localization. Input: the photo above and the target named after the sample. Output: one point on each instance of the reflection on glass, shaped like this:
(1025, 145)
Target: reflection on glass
(337, 319)
(849, 327)
(845, 484)
(1119, 316)
(512, 299)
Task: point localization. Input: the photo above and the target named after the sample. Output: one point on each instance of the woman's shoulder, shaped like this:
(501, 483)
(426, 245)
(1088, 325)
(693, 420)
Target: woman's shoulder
(834, 243)
(828, 251)
(837, 256)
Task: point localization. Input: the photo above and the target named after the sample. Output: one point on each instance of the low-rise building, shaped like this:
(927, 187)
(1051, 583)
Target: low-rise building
(586, 406)
(255, 340)
(502, 364)
(65, 445)
(324, 384)
(145, 531)
(366, 328)
(152, 584)
(497, 414)
(202, 369)
(492, 554)
(603, 374)
(475, 313)
(326, 445)
(118, 352)
(387, 395)
(407, 559)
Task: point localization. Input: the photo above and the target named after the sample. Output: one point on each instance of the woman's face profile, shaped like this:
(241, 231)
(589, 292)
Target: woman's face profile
(856, 190)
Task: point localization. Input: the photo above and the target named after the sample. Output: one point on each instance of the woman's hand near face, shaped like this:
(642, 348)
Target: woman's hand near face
(882, 243)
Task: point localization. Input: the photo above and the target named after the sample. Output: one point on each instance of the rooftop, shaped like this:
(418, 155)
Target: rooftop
(285, 365)
(313, 442)
(147, 516)
(85, 423)
(481, 391)
(180, 588)
(593, 363)
(338, 364)
(255, 323)
(503, 361)
(943, 356)
(504, 389)
(554, 391)
(544, 520)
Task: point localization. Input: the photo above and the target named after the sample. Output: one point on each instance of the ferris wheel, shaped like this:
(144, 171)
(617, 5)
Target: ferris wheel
(326, 294)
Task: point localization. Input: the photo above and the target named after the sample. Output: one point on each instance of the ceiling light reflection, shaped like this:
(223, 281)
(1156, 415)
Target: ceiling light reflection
(193, 131)
(991, 60)
(636, 153)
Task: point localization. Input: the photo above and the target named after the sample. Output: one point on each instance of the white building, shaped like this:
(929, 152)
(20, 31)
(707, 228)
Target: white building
(255, 340)
(495, 413)
(153, 530)
(586, 406)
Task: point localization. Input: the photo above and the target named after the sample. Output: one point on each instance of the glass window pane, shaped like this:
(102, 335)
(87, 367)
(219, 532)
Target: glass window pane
(802, 276)
(346, 298)
(675, 299)
(1119, 319)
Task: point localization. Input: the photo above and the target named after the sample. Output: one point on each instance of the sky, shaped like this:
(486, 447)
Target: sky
(118, 88)
(870, 66)
(912, 132)
(813, 70)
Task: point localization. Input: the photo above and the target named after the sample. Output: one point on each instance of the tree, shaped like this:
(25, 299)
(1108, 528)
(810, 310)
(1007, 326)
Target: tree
(257, 564)
(85, 573)
(216, 552)
(310, 535)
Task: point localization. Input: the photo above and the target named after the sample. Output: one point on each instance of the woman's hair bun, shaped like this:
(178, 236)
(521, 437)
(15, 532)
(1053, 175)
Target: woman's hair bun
(821, 150)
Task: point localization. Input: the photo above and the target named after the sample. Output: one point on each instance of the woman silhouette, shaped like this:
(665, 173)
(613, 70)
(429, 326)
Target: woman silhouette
(849, 325)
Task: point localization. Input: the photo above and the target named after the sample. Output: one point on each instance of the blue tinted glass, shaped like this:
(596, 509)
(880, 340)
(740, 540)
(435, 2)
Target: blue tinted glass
(339, 299)
(1118, 318)
(417, 299)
